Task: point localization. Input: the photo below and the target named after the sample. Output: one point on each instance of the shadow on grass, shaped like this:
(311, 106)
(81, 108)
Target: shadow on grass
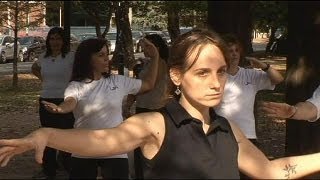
(22, 98)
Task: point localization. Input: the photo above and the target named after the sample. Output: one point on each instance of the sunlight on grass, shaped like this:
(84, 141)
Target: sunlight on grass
(23, 98)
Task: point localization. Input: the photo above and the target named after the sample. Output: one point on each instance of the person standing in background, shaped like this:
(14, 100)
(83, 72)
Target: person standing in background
(54, 69)
(242, 86)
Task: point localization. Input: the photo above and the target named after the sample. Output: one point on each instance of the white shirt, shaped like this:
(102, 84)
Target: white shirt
(56, 73)
(237, 104)
(99, 103)
(315, 100)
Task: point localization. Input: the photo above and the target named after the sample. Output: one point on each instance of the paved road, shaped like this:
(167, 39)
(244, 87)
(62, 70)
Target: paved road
(25, 67)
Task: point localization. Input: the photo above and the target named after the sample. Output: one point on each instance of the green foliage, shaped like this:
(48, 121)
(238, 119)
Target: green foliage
(96, 9)
(148, 14)
(153, 14)
(268, 14)
(23, 9)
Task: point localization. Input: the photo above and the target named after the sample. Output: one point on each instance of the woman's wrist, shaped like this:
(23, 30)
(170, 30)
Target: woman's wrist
(294, 111)
(266, 68)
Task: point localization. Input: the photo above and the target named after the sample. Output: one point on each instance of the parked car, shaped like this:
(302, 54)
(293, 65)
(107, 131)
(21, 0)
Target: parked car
(112, 37)
(85, 36)
(185, 29)
(136, 37)
(7, 49)
(74, 42)
(32, 47)
(166, 38)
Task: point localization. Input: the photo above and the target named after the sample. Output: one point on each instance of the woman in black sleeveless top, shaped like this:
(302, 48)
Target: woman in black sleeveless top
(186, 139)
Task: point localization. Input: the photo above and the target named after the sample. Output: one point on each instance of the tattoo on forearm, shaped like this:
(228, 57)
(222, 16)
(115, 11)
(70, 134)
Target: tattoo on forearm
(289, 169)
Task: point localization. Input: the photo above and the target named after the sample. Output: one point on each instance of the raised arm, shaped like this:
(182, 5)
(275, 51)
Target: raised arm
(138, 130)
(301, 111)
(148, 81)
(273, 74)
(66, 106)
(255, 164)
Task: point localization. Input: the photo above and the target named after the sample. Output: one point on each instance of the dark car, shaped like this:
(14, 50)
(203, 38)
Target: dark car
(32, 47)
(85, 36)
(136, 37)
(160, 33)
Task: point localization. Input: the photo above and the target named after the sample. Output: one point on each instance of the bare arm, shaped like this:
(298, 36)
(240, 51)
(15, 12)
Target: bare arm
(255, 164)
(36, 70)
(301, 111)
(273, 74)
(138, 130)
(148, 81)
(66, 106)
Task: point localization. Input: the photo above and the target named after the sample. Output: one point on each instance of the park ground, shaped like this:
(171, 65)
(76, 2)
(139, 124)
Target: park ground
(19, 116)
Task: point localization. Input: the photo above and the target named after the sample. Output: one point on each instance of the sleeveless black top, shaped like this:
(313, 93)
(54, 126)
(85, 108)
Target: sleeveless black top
(187, 152)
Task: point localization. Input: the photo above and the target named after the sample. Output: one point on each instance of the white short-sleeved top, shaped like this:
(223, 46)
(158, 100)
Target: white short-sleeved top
(315, 100)
(237, 103)
(56, 73)
(99, 103)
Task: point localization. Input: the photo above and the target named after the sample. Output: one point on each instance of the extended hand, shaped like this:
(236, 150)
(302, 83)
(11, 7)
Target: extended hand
(51, 107)
(11, 147)
(280, 110)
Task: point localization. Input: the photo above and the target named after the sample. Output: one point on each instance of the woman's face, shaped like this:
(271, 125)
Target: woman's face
(55, 42)
(234, 51)
(100, 61)
(203, 84)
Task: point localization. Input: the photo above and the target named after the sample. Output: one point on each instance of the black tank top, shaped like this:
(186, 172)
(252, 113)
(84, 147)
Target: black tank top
(187, 152)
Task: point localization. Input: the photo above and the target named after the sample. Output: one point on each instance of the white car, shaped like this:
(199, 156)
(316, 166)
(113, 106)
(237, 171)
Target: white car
(112, 37)
(7, 49)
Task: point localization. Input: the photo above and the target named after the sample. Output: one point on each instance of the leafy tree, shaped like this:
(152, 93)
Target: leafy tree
(100, 12)
(160, 15)
(270, 15)
(14, 17)
(123, 54)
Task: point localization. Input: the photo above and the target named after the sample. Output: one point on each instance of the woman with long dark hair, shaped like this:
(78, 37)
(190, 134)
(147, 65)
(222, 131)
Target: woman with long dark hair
(95, 97)
(54, 69)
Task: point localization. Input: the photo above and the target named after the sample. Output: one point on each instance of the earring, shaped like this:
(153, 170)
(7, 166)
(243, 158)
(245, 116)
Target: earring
(177, 91)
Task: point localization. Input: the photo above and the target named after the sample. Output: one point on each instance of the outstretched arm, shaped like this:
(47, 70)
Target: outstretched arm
(136, 131)
(66, 106)
(255, 164)
(301, 111)
(273, 74)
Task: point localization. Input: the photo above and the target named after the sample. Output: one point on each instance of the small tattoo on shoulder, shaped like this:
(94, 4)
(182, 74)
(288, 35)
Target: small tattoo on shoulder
(290, 169)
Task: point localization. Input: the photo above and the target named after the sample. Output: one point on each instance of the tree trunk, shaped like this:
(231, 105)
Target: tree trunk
(108, 18)
(302, 137)
(232, 17)
(98, 29)
(123, 54)
(66, 22)
(15, 59)
(173, 23)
